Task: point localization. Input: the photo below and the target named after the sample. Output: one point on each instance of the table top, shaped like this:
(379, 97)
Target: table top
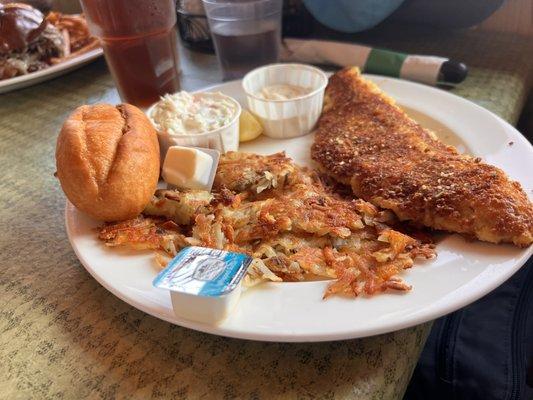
(63, 335)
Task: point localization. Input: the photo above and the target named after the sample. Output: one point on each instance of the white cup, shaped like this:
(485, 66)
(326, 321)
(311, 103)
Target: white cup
(223, 139)
(283, 119)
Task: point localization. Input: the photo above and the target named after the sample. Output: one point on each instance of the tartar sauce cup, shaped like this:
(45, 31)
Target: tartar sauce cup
(224, 138)
(289, 118)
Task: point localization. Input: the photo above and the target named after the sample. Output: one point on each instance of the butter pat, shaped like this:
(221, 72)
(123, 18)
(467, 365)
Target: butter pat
(204, 284)
(190, 167)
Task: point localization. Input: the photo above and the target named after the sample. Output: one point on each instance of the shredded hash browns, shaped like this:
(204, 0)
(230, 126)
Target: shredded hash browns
(293, 224)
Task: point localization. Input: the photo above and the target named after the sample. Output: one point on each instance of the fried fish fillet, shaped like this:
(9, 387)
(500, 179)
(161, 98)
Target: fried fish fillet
(366, 141)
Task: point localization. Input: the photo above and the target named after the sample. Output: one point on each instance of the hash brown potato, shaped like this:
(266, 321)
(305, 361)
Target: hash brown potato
(295, 227)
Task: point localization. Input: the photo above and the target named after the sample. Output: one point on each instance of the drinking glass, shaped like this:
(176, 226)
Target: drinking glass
(246, 33)
(139, 38)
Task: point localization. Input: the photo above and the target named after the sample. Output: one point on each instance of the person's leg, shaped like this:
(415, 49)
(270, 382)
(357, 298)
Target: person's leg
(484, 350)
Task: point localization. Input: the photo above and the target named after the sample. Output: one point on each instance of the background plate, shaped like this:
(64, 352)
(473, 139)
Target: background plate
(292, 312)
(19, 82)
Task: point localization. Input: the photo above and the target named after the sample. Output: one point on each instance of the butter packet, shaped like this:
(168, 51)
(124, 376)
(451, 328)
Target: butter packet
(190, 167)
(204, 284)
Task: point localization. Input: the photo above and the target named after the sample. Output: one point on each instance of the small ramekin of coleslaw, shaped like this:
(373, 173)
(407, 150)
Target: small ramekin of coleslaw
(203, 119)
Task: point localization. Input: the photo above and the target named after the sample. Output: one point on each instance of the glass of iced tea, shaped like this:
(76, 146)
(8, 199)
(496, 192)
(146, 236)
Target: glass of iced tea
(139, 38)
(246, 33)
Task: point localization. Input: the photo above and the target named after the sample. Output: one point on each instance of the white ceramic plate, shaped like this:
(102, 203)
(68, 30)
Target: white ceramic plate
(293, 312)
(19, 82)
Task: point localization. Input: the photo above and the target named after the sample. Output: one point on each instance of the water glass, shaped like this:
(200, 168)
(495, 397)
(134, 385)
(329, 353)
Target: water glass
(246, 33)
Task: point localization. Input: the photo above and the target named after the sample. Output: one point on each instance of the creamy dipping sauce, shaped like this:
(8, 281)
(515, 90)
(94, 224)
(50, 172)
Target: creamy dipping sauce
(184, 113)
(283, 92)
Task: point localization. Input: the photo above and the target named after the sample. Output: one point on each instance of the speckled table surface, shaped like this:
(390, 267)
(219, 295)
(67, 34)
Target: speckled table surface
(64, 336)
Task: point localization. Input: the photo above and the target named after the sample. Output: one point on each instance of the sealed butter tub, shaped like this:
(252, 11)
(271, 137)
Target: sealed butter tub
(286, 116)
(204, 284)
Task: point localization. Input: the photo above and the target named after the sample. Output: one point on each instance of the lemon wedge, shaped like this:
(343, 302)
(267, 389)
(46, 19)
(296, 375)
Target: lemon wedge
(249, 127)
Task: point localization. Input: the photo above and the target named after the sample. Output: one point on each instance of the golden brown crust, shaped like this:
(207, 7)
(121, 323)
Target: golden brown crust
(107, 160)
(365, 140)
(294, 227)
(251, 172)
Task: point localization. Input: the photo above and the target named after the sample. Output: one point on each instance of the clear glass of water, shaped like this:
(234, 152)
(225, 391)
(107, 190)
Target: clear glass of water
(246, 33)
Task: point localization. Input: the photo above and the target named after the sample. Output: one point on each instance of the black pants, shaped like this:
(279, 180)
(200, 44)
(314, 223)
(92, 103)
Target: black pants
(483, 351)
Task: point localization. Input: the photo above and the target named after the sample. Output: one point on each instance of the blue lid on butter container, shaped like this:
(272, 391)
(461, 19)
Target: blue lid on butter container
(203, 272)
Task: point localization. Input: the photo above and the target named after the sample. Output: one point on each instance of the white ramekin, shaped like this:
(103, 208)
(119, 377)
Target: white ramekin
(283, 119)
(223, 139)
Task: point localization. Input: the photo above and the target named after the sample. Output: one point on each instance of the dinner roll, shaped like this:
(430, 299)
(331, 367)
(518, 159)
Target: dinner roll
(107, 160)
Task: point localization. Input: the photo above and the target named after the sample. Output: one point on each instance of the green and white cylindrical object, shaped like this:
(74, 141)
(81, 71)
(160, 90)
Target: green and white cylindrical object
(426, 69)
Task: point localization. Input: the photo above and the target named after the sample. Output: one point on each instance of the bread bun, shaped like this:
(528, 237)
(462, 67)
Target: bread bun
(107, 160)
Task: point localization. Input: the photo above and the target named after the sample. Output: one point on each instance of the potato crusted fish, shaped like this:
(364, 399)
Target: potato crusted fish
(293, 225)
(364, 140)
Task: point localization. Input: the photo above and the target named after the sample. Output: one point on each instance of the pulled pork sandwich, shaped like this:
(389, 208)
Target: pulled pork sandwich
(27, 40)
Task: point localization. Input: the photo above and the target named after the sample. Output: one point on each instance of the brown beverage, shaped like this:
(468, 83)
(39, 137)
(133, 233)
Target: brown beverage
(139, 38)
(239, 54)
